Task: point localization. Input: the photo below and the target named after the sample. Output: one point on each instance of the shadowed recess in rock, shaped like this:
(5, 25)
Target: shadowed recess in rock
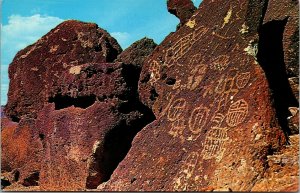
(271, 58)
(62, 102)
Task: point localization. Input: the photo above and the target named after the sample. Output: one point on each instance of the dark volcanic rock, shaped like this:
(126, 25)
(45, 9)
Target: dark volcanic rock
(89, 125)
(36, 68)
(21, 147)
(215, 122)
(137, 52)
(183, 9)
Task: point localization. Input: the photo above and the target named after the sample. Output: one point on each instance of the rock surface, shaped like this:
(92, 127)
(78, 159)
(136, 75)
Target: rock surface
(89, 126)
(282, 174)
(215, 122)
(36, 68)
(183, 9)
(220, 92)
(137, 52)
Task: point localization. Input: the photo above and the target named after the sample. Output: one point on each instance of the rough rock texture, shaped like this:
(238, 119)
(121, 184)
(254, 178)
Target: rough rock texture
(21, 147)
(183, 9)
(209, 89)
(137, 52)
(36, 68)
(282, 174)
(84, 131)
(89, 128)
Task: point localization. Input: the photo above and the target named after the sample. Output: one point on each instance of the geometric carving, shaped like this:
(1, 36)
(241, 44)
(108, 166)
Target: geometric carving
(176, 109)
(177, 128)
(197, 75)
(242, 79)
(214, 143)
(220, 63)
(198, 119)
(186, 172)
(237, 113)
(154, 69)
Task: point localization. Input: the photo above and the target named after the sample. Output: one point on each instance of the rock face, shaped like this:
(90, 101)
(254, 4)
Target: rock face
(85, 123)
(36, 68)
(89, 126)
(183, 9)
(215, 122)
(21, 149)
(282, 173)
(137, 52)
(212, 109)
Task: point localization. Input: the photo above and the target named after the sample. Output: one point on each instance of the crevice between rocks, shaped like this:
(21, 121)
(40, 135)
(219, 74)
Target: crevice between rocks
(117, 142)
(271, 58)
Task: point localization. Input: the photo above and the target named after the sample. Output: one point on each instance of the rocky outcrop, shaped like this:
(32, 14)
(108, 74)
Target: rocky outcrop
(84, 128)
(215, 122)
(89, 126)
(282, 172)
(183, 9)
(137, 52)
(212, 110)
(36, 68)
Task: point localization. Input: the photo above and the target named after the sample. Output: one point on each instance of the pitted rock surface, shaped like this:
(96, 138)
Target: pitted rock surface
(89, 125)
(21, 147)
(36, 68)
(183, 9)
(215, 123)
(136, 53)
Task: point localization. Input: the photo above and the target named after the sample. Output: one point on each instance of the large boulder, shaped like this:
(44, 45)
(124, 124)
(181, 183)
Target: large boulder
(36, 68)
(136, 53)
(215, 122)
(183, 9)
(93, 115)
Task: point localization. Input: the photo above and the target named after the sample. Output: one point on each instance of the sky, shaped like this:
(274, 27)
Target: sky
(23, 22)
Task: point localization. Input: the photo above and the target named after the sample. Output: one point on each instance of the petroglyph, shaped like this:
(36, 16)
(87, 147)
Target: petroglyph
(237, 113)
(154, 69)
(198, 120)
(177, 128)
(176, 109)
(242, 79)
(197, 72)
(220, 63)
(225, 89)
(186, 172)
(182, 46)
(218, 119)
(214, 143)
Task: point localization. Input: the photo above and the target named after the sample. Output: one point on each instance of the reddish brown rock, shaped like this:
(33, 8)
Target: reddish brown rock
(21, 148)
(89, 125)
(36, 68)
(183, 9)
(215, 122)
(136, 53)
(282, 174)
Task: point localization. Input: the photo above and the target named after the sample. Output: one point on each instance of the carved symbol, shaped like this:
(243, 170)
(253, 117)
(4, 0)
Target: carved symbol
(198, 119)
(237, 113)
(218, 119)
(242, 79)
(154, 69)
(197, 75)
(182, 46)
(225, 89)
(220, 63)
(176, 109)
(177, 128)
(186, 172)
(214, 143)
